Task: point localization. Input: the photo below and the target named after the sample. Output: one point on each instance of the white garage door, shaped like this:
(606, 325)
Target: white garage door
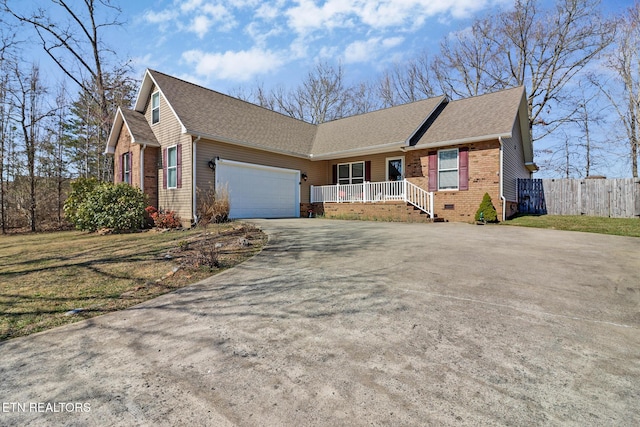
(257, 191)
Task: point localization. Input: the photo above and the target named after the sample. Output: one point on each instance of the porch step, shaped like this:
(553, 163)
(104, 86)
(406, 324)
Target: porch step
(389, 211)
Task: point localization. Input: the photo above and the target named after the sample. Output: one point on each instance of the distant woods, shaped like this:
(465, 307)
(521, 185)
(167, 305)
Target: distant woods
(53, 132)
(580, 69)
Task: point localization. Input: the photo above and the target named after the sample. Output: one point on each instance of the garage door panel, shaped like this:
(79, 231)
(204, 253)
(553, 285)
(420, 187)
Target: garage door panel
(257, 191)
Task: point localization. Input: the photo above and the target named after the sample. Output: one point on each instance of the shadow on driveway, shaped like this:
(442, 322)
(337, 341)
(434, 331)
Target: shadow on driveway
(360, 323)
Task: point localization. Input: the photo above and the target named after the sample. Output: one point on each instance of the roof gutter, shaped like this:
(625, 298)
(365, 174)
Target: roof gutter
(193, 175)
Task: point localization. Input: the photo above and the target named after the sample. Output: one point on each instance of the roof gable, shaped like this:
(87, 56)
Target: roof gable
(213, 115)
(136, 125)
(480, 117)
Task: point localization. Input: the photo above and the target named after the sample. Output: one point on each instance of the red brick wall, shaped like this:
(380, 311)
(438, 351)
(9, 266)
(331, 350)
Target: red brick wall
(151, 156)
(484, 177)
(151, 162)
(390, 211)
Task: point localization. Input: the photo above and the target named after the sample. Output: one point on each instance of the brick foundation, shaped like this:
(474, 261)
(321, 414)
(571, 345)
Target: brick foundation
(390, 211)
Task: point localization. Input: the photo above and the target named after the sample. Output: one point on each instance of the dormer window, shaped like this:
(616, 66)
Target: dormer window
(155, 107)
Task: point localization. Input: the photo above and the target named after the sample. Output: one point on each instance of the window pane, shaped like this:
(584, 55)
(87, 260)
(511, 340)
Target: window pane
(155, 100)
(172, 157)
(155, 116)
(448, 159)
(395, 170)
(343, 171)
(343, 181)
(172, 177)
(448, 179)
(357, 170)
(357, 181)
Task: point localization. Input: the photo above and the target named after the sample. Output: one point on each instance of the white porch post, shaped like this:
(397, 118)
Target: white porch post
(431, 204)
(405, 198)
(311, 195)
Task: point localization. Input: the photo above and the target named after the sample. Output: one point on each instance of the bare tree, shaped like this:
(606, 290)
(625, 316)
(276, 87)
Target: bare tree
(469, 62)
(71, 34)
(5, 126)
(407, 82)
(540, 49)
(322, 96)
(623, 90)
(7, 59)
(31, 113)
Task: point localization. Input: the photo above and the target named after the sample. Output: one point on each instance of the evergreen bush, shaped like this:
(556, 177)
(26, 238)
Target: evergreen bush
(119, 207)
(80, 190)
(487, 210)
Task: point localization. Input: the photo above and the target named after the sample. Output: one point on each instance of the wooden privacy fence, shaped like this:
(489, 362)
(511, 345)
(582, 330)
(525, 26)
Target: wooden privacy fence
(616, 198)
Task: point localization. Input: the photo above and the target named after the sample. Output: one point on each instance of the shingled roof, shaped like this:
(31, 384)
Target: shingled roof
(213, 115)
(391, 126)
(421, 124)
(138, 127)
(486, 116)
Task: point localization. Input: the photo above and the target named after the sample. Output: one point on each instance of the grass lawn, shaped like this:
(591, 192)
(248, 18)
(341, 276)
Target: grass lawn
(44, 276)
(591, 224)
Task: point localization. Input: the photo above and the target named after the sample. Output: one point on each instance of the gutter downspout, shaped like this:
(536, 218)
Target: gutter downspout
(193, 175)
(142, 147)
(502, 198)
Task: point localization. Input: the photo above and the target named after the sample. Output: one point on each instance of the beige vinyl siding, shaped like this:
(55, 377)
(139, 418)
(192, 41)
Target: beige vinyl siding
(208, 150)
(513, 163)
(378, 164)
(169, 132)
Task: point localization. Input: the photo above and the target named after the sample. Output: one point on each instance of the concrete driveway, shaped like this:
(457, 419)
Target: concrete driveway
(359, 323)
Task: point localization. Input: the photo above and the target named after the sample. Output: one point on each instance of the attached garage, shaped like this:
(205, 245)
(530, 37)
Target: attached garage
(257, 191)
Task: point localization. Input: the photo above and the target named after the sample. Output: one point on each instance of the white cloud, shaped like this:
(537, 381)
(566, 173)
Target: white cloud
(190, 5)
(260, 36)
(368, 50)
(234, 65)
(269, 11)
(307, 16)
(200, 25)
(160, 17)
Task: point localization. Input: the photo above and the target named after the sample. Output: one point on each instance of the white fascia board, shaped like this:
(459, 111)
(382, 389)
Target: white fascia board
(117, 123)
(143, 94)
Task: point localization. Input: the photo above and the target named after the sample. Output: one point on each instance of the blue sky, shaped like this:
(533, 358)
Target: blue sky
(224, 44)
(227, 44)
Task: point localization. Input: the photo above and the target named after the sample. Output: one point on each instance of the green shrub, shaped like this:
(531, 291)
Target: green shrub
(80, 190)
(118, 207)
(487, 210)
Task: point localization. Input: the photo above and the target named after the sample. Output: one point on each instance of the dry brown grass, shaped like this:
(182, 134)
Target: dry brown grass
(44, 276)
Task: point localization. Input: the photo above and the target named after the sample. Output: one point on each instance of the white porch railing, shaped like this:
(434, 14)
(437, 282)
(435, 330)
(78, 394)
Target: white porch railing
(375, 192)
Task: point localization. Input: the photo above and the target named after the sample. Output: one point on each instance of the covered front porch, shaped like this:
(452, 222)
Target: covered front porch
(375, 192)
